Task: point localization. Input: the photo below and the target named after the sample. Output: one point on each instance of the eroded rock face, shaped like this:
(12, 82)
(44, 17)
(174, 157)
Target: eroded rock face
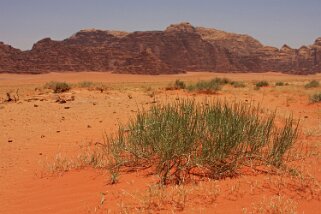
(9, 57)
(179, 48)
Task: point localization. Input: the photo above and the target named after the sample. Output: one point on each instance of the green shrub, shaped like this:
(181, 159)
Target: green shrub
(315, 98)
(279, 83)
(209, 86)
(312, 84)
(262, 84)
(58, 87)
(211, 139)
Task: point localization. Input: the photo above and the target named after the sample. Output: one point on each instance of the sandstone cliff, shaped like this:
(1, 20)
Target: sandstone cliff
(178, 48)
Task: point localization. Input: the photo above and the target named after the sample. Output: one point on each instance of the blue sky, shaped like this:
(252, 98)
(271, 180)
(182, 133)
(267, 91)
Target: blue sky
(273, 22)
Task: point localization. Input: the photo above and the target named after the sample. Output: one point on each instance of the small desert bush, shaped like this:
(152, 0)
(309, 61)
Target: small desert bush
(92, 86)
(237, 84)
(86, 84)
(178, 84)
(58, 87)
(312, 84)
(262, 84)
(315, 98)
(279, 83)
(212, 139)
(209, 86)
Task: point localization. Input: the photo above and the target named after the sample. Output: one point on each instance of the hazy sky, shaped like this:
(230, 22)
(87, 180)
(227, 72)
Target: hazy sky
(273, 22)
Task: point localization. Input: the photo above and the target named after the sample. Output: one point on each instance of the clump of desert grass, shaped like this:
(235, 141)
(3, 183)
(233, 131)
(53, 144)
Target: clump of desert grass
(312, 84)
(185, 139)
(58, 87)
(275, 204)
(90, 155)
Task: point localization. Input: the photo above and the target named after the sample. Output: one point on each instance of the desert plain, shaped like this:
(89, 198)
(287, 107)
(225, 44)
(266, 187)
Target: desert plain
(46, 138)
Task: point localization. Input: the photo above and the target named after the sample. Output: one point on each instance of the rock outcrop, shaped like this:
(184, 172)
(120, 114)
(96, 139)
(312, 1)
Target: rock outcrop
(179, 48)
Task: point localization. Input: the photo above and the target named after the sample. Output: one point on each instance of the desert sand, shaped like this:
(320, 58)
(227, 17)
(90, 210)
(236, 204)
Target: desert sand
(37, 135)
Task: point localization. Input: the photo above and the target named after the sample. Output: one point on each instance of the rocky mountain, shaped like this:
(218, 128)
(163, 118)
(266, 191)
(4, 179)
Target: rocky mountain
(178, 48)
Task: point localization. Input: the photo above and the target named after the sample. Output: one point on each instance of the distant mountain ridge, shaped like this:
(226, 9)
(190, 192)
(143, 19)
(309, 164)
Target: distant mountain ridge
(179, 48)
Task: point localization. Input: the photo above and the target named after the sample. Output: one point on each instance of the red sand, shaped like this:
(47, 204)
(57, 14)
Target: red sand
(39, 130)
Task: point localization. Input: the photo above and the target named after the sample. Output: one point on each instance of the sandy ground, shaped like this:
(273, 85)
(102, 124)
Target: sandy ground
(36, 131)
